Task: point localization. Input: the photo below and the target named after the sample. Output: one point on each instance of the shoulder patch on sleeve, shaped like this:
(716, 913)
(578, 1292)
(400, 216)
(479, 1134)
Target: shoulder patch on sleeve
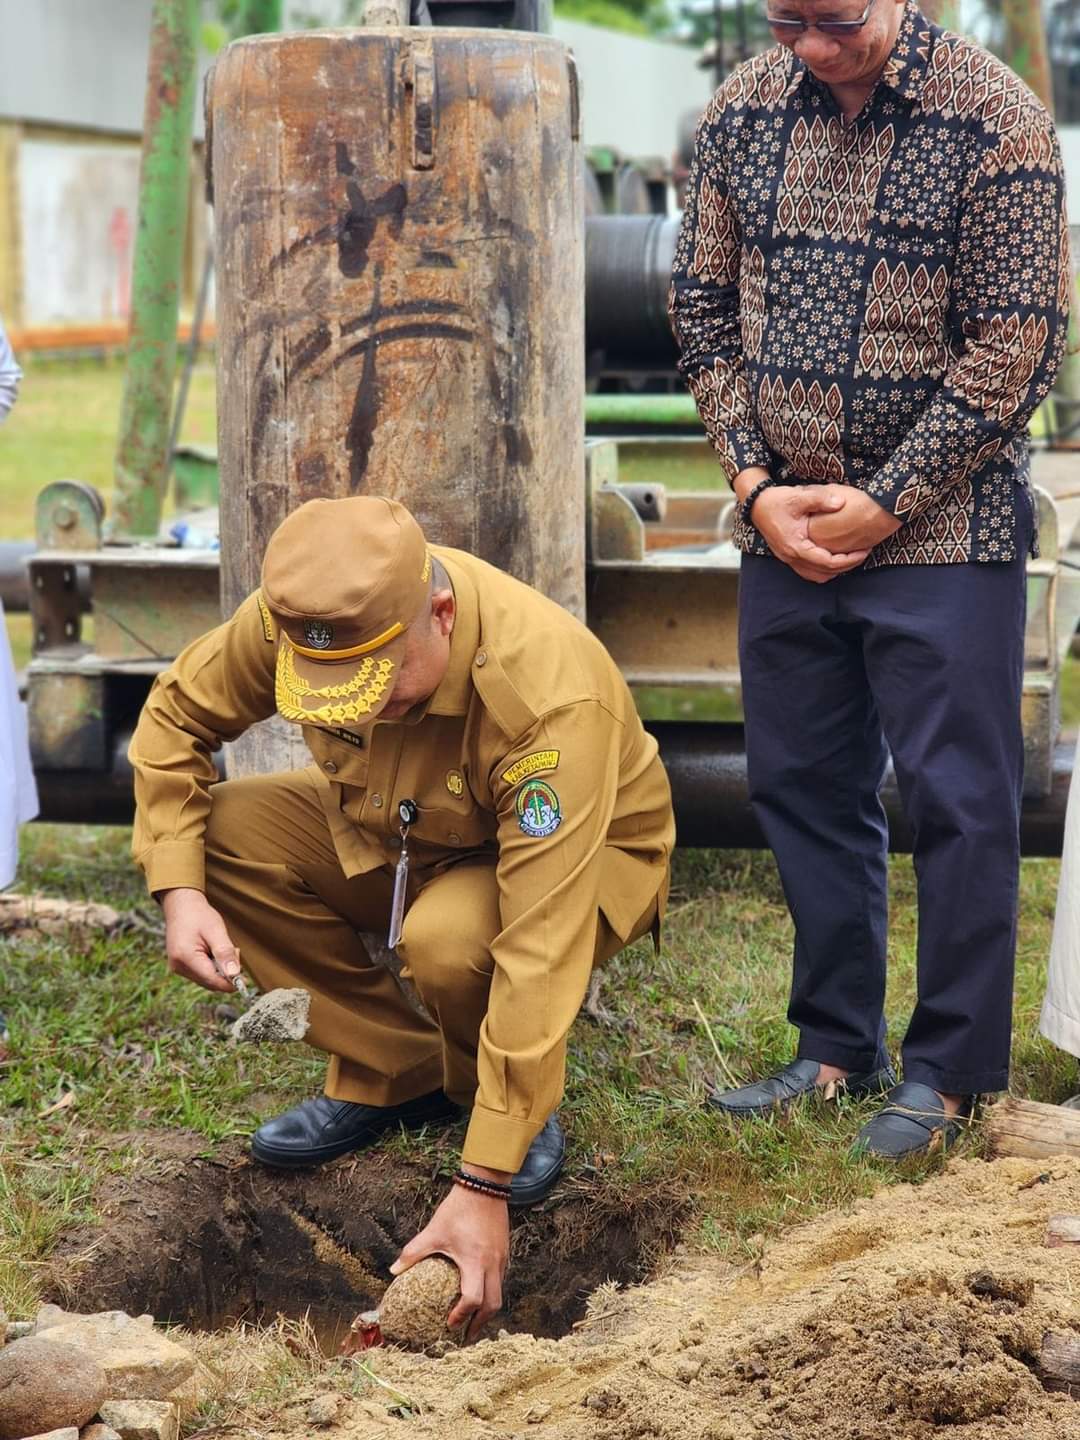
(267, 623)
(531, 765)
(538, 809)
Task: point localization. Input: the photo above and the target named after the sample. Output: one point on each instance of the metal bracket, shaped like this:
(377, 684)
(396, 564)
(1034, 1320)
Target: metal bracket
(422, 101)
(68, 515)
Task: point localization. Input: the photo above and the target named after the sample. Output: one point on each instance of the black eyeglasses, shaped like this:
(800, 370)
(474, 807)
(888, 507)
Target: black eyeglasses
(788, 27)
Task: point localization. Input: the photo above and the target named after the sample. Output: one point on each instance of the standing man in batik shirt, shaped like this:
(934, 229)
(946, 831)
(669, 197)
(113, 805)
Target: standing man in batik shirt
(870, 294)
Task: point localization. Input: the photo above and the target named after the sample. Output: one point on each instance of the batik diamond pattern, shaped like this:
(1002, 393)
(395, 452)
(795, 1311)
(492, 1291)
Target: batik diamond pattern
(903, 332)
(803, 424)
(935, 536)
(994, 377)
(887, 299)
(717, 249)
(752, 301)
(831, 178)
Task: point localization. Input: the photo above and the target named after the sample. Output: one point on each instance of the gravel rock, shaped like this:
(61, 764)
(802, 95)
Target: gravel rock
(323, 1410)
(414, 1309)
(46, 1386)
(69, 1432)
(277, 1015)
(142, 1419)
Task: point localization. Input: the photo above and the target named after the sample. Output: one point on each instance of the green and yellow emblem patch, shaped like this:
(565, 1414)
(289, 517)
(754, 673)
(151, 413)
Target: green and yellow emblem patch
(537, 808)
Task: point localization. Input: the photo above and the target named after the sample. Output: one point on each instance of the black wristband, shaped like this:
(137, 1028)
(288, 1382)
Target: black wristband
(748, 504)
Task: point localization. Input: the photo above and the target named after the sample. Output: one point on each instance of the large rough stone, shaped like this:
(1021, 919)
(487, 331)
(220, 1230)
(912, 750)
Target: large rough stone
(46, 1386)
(414, 1309)
(69, 1432)
(139, 1363)
(142, 1419)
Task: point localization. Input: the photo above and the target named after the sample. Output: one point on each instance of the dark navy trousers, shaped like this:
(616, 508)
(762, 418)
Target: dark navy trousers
(927, 660)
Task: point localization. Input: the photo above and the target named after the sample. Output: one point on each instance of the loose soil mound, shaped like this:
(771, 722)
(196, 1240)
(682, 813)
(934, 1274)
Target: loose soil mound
(920, 1313)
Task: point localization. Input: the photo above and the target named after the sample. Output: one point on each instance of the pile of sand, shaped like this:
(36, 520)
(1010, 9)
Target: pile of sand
(921, 1312)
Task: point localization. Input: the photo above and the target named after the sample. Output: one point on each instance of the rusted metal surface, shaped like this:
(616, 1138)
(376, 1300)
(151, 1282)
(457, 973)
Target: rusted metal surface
(164, 182)
(68, 515)
(401, 292)
(67, 716)
(151, 602)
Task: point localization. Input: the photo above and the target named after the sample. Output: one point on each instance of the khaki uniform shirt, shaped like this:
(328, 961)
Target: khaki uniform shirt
(529, 694)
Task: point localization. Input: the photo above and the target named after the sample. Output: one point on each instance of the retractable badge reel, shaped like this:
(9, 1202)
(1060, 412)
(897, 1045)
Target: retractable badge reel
(407, 814)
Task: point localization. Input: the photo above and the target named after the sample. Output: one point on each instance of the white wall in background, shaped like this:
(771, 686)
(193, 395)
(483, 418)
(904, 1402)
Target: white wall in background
(77, 221)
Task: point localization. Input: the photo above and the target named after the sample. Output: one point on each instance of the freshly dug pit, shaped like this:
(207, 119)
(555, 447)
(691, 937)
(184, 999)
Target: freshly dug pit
(213, 1242)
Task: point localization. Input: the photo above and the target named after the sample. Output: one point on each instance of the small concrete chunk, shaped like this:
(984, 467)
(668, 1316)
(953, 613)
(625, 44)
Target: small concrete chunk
(46, 1386)
(69, 1432)
(278, 1015)
(98, 1431)
(142, 1419)
(139, 1363)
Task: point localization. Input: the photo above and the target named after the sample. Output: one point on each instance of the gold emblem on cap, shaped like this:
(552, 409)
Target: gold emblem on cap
(360, 693)
(455, 783)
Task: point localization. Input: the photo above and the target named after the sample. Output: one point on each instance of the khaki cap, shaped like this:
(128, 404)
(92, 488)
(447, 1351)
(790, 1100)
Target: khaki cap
(344, 579)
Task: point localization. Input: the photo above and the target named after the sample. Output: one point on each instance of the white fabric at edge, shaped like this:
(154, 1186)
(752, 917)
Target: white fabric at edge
(18, 793)
(1060, 1019)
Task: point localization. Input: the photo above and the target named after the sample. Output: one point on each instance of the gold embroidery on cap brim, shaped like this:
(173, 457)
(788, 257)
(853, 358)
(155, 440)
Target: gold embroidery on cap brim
(364, 688)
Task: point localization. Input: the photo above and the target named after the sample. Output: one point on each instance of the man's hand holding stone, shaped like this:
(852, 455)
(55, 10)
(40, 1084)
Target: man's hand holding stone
(197, 942)
(473, 1231)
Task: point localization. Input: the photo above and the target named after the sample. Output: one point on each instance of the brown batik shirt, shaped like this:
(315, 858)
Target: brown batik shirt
(882, 303)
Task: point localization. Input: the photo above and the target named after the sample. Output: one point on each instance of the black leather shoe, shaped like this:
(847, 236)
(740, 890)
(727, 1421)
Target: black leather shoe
(321, 1130)
(795, 1082)
(542, 1166)
(912, 1122)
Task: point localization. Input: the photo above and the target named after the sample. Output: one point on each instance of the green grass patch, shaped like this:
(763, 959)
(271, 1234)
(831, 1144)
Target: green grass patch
(64, 427)
(141, 1051)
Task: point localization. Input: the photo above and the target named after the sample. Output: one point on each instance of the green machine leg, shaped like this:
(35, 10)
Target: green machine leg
(164, 183)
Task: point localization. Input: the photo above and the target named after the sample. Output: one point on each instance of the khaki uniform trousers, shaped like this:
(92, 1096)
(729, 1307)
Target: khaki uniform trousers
(273, 873)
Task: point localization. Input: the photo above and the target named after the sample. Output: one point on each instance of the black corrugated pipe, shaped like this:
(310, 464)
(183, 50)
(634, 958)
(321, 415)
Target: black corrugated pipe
(705, 763)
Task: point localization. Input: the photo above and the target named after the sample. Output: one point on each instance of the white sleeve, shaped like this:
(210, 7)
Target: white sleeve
(10, 375)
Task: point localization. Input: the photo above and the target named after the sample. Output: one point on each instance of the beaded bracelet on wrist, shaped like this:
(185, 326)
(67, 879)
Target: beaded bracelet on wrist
(493, 1188)
(748, 504)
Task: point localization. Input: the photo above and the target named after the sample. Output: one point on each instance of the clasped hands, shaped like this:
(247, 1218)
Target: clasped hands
(820, 531)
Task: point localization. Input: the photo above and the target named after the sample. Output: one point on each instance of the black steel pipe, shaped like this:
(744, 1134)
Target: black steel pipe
(628, 261)
(705, 763)
(15, 578)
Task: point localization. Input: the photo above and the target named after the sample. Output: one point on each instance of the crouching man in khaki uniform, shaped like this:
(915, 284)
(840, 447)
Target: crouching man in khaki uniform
(455, 710)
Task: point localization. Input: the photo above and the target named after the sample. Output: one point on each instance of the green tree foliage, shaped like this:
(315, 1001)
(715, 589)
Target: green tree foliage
(633, 17)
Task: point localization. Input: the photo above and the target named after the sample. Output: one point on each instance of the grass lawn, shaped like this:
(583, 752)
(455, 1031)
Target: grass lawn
(138, 1051)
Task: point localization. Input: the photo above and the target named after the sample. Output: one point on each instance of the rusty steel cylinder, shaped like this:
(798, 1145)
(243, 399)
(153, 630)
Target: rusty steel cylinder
(400, 310)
